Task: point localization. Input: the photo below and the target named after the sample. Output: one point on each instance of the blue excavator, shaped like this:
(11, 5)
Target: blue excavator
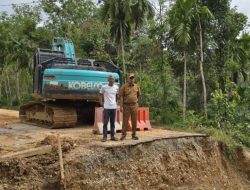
(66, 88)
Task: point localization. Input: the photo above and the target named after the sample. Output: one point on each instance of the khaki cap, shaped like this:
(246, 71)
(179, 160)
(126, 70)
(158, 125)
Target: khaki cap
(131, 75)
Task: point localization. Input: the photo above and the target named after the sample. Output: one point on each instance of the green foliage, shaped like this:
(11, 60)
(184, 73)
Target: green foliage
(223, 107)
(226, 114)
(162, 109)
(154, 45)
(193, 120)
(121, 15)
(65, 15)
(241, 134)
(141, 10)
(118, 13)
(180, 18)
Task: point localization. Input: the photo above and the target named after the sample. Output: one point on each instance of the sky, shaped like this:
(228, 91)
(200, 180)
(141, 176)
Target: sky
(242, 5)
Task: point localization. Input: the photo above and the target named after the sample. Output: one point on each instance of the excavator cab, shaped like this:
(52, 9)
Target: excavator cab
(58, 75)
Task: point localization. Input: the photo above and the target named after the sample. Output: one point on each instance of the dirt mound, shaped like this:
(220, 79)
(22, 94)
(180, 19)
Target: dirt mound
(49, 140)
(67, 143)
(32, 173)
(180, 163)
(7, 117)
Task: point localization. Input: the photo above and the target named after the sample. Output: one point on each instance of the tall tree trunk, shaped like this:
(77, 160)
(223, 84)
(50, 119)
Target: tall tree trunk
(163, 81)
(140, 72)
(201, 69)
(245, 75)
(1, 89)
(17, 85)
(122, 48)
(8, 84)
(185, 87)
(1, 85)
(6, 88)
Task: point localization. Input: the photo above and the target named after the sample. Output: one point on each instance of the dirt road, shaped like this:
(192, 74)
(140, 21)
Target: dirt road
(15, 136)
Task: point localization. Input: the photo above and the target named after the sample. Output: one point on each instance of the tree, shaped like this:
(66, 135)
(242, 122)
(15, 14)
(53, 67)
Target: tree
(180, 19)
(238, 58)
(141, 10)
(19, 47)
(166, 95)
(65, 15)
(203, 14)
(223, 31)
(121, 14)
(118, 12)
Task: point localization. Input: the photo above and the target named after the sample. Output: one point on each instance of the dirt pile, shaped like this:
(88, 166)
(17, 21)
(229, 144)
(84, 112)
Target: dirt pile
(7, 117)
(67, 143)
(179, 163)
(6, 120)
(33, 173)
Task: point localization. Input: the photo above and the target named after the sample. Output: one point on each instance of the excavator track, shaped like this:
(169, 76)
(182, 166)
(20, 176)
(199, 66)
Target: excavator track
(48, 114)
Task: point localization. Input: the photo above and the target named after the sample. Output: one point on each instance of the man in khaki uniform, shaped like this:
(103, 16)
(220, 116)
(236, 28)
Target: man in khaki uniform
(129, 94)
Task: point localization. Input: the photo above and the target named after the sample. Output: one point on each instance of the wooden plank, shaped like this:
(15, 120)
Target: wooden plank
(60, 157)
(27, 153)
(61, 161)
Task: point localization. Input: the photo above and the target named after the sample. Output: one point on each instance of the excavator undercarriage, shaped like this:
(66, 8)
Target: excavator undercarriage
(48, 114)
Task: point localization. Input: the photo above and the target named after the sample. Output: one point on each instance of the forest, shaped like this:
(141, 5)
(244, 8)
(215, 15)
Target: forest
(191, 58)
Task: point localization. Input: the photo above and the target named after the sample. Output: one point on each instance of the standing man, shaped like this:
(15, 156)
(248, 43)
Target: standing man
(109, 94)
(129, 95)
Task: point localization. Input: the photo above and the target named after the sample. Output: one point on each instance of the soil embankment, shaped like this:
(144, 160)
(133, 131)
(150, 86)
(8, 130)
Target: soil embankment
(171, 161)
(185, 163)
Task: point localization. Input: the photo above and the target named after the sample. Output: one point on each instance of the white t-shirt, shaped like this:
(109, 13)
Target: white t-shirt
(109, 93)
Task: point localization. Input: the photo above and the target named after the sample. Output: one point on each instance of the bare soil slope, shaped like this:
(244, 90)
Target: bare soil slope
(160, 160)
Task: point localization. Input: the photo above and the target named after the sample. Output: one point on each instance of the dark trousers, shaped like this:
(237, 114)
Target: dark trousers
(109, 114)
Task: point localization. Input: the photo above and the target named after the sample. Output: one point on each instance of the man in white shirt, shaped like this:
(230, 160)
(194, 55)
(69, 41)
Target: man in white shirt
(109, 94)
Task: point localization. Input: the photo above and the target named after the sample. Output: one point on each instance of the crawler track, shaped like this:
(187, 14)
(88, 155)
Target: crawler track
(48, 114)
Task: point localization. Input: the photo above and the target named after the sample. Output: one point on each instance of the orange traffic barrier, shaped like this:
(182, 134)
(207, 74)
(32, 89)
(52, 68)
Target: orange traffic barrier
(98, 124)
(143, 122)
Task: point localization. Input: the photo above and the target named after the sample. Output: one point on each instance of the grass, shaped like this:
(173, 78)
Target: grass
(229, 143)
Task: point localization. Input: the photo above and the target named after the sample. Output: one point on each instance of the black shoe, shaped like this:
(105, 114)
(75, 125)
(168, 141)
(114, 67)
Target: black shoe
(104, 139)
(135, 138)
(123, 137)
(114, 139)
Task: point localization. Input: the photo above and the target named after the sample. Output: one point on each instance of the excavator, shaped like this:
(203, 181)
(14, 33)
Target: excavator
(66, 89)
